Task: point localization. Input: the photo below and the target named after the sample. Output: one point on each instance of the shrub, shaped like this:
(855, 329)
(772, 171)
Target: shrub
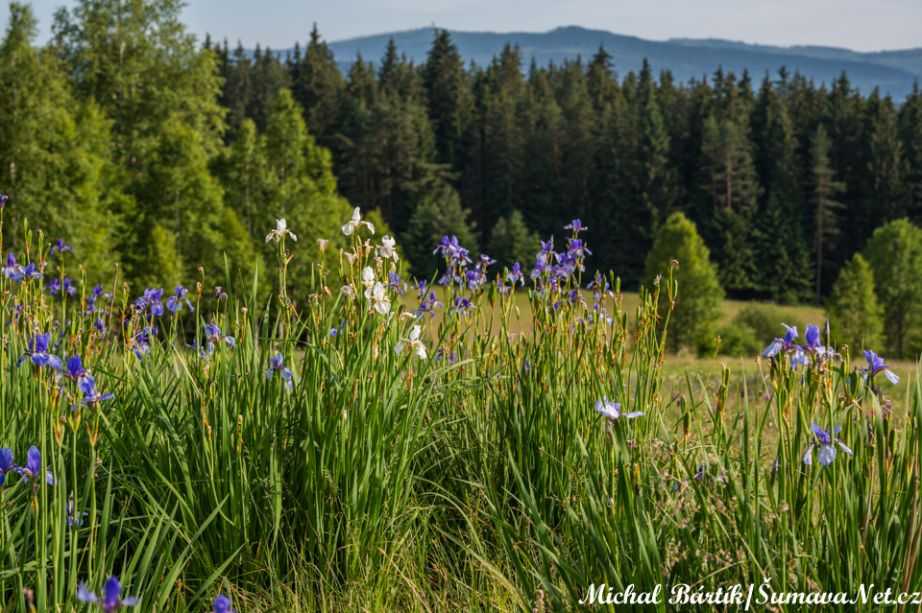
(511, 241)
(738, 340)
(700, 294)
(763, 319)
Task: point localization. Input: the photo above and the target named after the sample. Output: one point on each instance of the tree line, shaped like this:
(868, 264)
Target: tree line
(785, 178)
(164, 154)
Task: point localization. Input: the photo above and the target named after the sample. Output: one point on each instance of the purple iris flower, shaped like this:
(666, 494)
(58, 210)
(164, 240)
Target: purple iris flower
(6, 463)
(110, 600)
(222, 604)
(31, 271)
(151, 301)
(462, 305)
(277, 365)
(38, 352)
(219, 293)
(825, 442)
(140, 342)
(91, 396)
(73, 369)
(213, 336)
(612, 410)
(175, 303)
(3, 199)
(576, 225)
(71, 519)
(876, 364)
(515, 275)
(60, 246)
(778, 344)
(13, 271)
(33, 467)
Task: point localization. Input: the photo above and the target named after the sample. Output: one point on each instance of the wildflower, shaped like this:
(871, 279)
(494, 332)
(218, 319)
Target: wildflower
(347, 291)
(71, 519)
(428, 301)
(452, 251)
(515, 275)
(73, 369)
(213, 335)
(277, 365)
(380, 301)
(775, 347)
(6, 463)
(39, 354)
(219, 293)
(55, 287)
(368, 277)
(799, 358)
(222, 604)
(13, 270)
(576, 225)
(111, 598)
(322, 244)
(151, 301)
(280, 232)
(413, 342)
(876, 365)
(826, 444)
(388, 248)
(33, 467)
(612, 410)
(140, 342)
(91, 396)
(462, 305)
(60, 246)
(174, 303)
(31, 271)
(3, 199)
(356, 222)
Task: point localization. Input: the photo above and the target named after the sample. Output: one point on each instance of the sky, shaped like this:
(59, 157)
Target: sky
(864, 25)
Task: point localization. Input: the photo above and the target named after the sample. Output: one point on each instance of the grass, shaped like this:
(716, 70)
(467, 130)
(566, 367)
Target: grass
(330, 458)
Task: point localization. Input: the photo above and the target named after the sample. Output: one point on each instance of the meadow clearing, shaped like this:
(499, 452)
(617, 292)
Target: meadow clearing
(502, 443)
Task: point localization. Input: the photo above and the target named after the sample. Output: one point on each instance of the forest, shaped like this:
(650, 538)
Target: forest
(166, 153)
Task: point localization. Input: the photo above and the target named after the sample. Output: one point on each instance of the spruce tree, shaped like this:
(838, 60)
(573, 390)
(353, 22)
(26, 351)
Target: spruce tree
(894, 253)
(448, 98)
(511, 241)
(826, 207)
(854, 311)
(699, 297)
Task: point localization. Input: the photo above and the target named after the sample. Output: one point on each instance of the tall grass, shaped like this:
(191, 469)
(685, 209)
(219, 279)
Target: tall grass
(476, 475)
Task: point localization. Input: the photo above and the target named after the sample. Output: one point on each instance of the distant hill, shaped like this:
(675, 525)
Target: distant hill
(894, 72)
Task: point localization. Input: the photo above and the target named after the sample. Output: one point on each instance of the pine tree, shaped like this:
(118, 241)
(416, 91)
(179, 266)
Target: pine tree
(854, 312)
(824, 204)
(884, 169)
(699, 297)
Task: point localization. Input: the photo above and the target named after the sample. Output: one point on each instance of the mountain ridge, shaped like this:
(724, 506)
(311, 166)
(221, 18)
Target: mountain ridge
(894, 72)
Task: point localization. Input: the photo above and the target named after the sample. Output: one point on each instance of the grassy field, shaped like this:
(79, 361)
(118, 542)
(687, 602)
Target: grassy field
(350, 454)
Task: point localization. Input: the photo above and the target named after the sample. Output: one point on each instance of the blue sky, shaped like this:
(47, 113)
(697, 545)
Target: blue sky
(858, 24)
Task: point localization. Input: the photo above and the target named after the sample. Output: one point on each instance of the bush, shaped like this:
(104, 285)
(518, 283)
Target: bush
(700, 295)
(738, 340)
(763, 319)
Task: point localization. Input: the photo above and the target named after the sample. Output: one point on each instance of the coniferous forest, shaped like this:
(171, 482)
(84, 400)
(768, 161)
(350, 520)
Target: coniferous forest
(165, 153)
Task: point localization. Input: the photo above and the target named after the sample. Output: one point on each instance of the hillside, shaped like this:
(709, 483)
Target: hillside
(894, 72)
